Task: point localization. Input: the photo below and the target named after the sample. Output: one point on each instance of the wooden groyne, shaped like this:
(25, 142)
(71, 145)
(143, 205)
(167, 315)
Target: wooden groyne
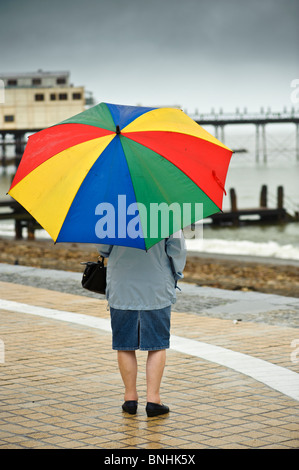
(263, 214)
(21, 218)
(235, 217)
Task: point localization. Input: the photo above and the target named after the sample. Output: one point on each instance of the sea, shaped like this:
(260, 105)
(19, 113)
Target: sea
(246, 174)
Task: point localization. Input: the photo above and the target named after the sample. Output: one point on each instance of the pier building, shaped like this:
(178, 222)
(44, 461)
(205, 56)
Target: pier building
(33, 101)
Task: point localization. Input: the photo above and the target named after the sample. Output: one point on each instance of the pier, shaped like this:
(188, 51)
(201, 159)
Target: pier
(259, 120)
(21, 218)
(17, 138)
(18, 142)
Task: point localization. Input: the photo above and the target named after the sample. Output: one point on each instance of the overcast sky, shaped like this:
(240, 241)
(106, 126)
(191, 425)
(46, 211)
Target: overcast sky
(192, 53)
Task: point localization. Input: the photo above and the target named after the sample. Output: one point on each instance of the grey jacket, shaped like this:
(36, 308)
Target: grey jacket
(140, 280)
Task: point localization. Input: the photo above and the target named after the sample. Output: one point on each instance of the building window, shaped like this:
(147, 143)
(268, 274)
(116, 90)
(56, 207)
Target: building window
(9, 118)
(53, 96)
(36, 81)
(77, 96)
(12, 82)
(61, 81)
(62, 96)
(39, 97)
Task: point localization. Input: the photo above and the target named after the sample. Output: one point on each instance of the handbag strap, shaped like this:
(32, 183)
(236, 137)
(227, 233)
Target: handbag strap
(101, 261)
(172, 266)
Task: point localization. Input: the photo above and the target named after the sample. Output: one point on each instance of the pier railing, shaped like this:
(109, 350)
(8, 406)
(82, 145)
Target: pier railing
(259, 120)
(218, 119)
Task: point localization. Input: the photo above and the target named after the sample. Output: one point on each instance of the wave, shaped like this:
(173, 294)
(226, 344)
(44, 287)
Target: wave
(244, 247)
(269, 249)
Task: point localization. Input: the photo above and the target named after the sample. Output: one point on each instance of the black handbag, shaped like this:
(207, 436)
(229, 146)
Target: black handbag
(94, 276)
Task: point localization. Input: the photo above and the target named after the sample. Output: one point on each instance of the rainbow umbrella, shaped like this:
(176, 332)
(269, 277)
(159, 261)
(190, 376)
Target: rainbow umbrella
(102, 175)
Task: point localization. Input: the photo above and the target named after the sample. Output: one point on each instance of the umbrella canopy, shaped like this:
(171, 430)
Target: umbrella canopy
(102, 175)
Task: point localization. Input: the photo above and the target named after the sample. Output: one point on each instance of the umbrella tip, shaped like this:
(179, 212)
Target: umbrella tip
(117, 130)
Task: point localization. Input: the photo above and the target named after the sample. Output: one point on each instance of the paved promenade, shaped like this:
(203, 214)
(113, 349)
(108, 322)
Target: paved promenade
(231, 379)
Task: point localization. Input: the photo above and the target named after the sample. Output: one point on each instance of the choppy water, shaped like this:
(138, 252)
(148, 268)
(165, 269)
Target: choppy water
(246, 176)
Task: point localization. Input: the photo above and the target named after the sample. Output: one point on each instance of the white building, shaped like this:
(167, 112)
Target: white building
(33, 101)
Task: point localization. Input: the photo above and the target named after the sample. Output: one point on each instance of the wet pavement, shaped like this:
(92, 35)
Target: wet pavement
(231, 379)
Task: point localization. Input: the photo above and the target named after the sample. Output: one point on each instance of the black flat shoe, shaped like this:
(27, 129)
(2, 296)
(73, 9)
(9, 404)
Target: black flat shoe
(154, 409)
(130, 406)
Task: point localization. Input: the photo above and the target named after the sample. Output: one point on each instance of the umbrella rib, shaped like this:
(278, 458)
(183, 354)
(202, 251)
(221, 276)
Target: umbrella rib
(120, 136)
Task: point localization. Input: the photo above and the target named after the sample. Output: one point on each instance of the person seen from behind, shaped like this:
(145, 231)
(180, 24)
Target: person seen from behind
(141, 287)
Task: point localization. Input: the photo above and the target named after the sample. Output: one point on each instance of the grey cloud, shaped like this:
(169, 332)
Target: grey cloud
(174, 46)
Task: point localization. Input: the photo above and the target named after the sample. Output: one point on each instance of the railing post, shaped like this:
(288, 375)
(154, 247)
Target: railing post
(264, 143)
(257, 143)
(3, 150)
(233, 200)
(18, 230)
(263, 197)
(280, 197)
(216, 131)
(222, 133)
(19, 147)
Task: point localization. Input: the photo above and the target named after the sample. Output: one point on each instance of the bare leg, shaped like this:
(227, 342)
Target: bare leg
(127, 364)
(154, 372)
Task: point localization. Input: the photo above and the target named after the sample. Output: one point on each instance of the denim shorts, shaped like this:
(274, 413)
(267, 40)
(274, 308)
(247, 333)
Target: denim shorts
(147, 330)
